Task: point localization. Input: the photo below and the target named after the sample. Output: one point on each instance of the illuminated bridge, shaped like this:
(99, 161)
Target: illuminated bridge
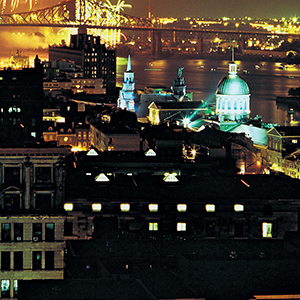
(108, 21)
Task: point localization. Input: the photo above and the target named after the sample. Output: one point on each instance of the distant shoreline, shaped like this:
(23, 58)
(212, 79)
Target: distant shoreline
(238, 56)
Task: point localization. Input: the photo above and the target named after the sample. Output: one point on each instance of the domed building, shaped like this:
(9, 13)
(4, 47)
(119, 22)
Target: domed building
(232, 97)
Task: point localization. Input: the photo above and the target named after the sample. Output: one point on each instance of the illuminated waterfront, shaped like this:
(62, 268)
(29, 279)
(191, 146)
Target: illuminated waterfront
(265, 79)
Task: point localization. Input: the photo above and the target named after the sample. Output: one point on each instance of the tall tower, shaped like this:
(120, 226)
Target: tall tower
(127, 95)
(179, 87)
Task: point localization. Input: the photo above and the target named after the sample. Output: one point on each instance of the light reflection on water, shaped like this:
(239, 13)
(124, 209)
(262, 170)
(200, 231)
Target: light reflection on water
(265, 79)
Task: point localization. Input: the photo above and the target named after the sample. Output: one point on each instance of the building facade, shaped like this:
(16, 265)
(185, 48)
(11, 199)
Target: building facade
(31, 215)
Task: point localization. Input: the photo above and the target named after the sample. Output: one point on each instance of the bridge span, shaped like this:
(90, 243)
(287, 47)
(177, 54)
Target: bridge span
(101, 17)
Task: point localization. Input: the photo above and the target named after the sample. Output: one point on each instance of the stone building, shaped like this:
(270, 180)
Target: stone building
(31, 215)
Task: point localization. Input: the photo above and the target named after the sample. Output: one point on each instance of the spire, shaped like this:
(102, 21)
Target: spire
(128, 64)
(232, 65)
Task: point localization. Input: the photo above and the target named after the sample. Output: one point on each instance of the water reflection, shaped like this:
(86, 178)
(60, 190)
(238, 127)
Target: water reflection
(266, 81)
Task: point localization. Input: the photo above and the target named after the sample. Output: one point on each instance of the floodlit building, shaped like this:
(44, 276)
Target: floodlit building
(282, 150)
(232, 97)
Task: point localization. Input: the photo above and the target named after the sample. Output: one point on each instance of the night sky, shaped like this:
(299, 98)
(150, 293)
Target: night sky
(216, 8)
(202, 8)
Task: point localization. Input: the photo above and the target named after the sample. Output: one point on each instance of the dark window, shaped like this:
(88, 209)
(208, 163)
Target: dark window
(12, 201)
(18, 232)
(36, 260)
(268, 210)
(68, 228)
(210, 228)
(37, 232)
(49, 260)
(12, 175)
(43, 201)
(5, 261)
(43, 175)
(238, 229)
(18, 260)
(5, 234)
(49, 234)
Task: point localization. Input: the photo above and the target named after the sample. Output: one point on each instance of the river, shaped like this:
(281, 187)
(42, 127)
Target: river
(266, 81)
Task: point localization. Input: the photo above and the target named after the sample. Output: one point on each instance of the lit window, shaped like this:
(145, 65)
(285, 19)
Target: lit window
(153, 207)
(239, 207)
(5, 288)
(68, 206)
(294, 141)
(210, 207)
(125, 207)
(181, 226)
(150, 152)
(14, 109)
(267, 229)
(101, 178)
(92, 152)
(170, 177)
(181, 207)
(153, 226)
(96, 207)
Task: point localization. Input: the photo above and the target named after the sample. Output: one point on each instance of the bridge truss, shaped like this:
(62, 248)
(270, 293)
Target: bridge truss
(74, 13)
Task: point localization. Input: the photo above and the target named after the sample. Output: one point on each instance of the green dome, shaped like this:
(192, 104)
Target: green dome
(232, 85)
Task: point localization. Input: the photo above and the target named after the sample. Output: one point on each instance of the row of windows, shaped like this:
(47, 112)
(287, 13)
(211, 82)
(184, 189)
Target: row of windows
(42, 201)
(235, 105)
(153, 207)
(5, 288)
(18, 260)
(182, 226)
(12, 175)
(16, 229)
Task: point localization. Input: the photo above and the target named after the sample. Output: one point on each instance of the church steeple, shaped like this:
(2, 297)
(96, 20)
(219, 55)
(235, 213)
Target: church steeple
(127, 95)
(128, 64)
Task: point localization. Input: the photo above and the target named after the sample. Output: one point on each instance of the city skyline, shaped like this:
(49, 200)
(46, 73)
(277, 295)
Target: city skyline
(193, 8)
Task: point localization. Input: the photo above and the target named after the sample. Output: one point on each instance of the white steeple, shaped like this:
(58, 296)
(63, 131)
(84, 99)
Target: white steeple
(126, 98)
(128, 64)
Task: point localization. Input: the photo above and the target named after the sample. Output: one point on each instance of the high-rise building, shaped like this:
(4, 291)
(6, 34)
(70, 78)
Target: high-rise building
(21, 106)
(93, 57)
